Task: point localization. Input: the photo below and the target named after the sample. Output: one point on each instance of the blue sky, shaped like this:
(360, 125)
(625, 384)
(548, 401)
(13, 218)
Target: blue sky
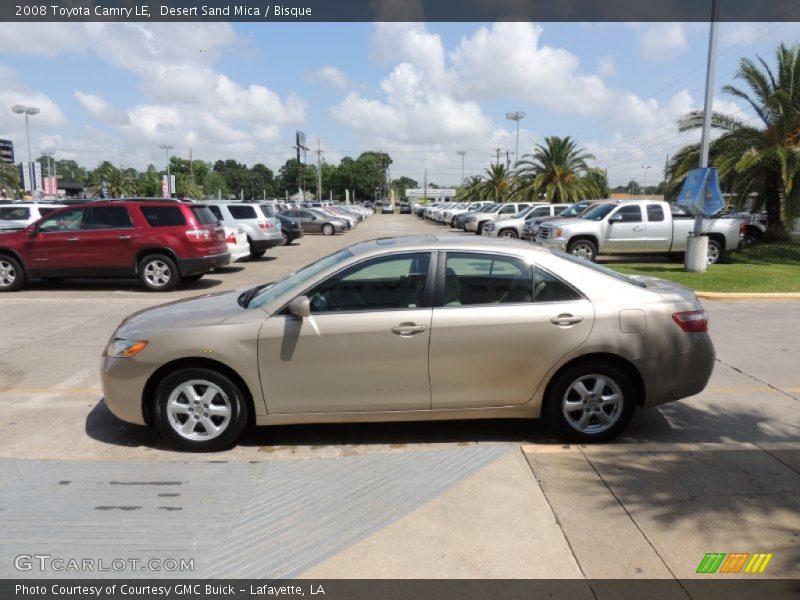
(418, 91)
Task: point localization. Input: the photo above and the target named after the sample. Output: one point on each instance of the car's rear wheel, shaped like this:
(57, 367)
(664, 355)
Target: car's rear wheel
(714, 252)
(200, 410)
(285, 238)
(327, 229)
(12, 275)
(158, 273)
(195, 277)
(583, 249)
(509, 233)
(257, 253)
(590, 402)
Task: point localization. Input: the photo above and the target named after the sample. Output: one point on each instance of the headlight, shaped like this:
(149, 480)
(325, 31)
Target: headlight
(118, 348)
(559, 232)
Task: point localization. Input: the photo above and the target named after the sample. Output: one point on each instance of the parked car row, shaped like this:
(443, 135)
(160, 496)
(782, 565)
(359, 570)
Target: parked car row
(162, 242)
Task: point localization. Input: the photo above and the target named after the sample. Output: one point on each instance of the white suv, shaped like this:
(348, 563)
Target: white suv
(263, 232)
(21, 214)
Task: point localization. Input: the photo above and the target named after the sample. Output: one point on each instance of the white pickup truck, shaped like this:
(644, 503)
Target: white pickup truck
(637, 227)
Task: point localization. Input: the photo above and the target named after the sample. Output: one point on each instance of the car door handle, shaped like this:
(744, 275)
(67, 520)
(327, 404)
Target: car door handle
(123, 237)
(406, 329)
(565, 320)
(72, 239)
(638, 228)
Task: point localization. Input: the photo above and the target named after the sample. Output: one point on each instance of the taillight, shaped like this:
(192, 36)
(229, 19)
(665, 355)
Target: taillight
(199, 235)
(264, 225)
(231, 239)
(692, 321)
(742, 229)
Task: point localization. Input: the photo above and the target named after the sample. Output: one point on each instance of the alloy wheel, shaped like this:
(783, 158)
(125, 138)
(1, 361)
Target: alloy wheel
(583, 250)
(199, 410)
(712, 254)
(592, 403)
(8, 274)
(157, 273)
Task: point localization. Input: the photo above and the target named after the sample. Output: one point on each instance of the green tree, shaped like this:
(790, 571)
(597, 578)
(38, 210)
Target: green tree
(214, 184)
(471, 189)
(119, 182)
(559, 170)
(497, 185)
(236, 175)
(763, 159)
(404, 183)
(9, 179)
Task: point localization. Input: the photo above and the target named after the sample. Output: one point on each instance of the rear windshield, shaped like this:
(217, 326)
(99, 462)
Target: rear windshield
(163, 216)
(14, 213)
(203, 215)
(243, 212)
(268, 211)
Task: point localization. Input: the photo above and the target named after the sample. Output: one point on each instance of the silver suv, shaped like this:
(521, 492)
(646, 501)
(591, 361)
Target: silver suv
(512, 227)
(263, 231)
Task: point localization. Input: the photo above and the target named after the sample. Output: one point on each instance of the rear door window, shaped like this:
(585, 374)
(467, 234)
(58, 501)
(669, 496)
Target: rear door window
(163, 216)
(108, 217)
(243, 212)
(477, 278)
(655, 212)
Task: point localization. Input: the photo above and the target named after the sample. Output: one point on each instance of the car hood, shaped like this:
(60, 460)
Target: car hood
(558, 222)
(191, 312)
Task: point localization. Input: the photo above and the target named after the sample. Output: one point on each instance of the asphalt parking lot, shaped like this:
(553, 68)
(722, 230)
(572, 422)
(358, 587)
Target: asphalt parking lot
(718, 472)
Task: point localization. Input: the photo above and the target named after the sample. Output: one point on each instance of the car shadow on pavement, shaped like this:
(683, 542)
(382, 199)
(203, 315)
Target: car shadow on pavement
(114, 285)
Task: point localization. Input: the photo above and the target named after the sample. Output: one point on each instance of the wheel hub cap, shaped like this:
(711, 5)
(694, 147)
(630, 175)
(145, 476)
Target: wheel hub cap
(198, 410)
(592, 404)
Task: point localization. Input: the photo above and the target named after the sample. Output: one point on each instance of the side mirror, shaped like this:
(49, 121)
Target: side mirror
(300, 307)
(615, 219)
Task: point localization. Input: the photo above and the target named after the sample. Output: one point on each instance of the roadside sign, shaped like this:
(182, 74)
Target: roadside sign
(164, 187)
(700, 193)
(37, 176)
(26, 177)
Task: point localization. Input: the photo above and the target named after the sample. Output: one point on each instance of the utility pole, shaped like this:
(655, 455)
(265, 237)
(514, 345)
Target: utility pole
(644, 179)
(462, 154)
(508, 159)
(425, 185)
(319, 171)
(191, 167)
(516, 116)
(166, 148)
(497, 162)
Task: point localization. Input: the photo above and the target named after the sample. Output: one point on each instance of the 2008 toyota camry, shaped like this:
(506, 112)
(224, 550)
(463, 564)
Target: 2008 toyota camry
(413, 328)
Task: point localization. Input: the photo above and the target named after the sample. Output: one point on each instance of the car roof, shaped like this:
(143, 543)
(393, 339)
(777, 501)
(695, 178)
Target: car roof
(437, 242)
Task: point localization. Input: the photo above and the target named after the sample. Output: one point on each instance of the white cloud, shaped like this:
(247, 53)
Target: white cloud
(606, 66)
(662, 41)
(101, 109)
(330, 75)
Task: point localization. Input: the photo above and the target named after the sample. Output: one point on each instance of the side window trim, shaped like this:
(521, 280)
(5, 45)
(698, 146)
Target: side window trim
(427, 293)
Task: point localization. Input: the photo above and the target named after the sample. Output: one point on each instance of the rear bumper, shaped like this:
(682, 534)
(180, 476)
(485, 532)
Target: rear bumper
(191, 266)
(674, 376)
(259, 245)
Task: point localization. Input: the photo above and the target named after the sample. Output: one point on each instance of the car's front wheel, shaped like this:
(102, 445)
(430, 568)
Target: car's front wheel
(583, 249)
(590, 402)
(509, 233)
(12, 275)
(715, 252)
(200, 410)
(158, 273)
(327, 229)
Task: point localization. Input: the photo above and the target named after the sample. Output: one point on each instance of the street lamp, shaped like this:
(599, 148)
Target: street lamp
(166, 148)
(28, 111)
(516, 116)
(462, 154)
(644, 179)
(631, 184)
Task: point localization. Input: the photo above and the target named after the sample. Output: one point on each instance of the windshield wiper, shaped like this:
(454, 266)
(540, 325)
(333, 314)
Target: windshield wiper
(246, 297)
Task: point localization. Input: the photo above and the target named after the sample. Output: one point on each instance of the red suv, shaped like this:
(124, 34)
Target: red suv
(161, 242)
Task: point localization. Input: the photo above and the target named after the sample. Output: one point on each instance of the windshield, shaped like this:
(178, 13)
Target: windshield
(597, 268)
(488, 208)
(598, 213)
(296, 279)
(575, 209)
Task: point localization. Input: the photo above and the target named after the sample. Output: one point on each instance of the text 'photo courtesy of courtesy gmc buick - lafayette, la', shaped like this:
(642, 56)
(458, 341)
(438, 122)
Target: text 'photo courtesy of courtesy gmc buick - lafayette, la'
(638, 227)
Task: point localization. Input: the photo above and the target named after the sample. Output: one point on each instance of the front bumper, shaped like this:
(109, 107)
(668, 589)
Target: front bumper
(471, 226)
(556, 244)
(123, 381)
(203, 264)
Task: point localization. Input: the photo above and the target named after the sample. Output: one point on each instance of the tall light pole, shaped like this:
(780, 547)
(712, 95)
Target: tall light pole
(462, 154)
(28, 111)
(516, 116)
(644, 179)
(166, 148)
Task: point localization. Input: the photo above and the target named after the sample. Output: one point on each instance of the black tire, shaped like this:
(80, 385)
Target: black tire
(554, 415)
(12, 275)
(583, 248)
(257, 253)
(158, 273)
(234, 423)
(508, 233)
(716, 252)
(190, 278)
(479, 230)
(286, 240)
(327, 229)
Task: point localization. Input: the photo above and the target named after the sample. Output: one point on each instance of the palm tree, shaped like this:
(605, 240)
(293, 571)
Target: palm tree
(497, 185)
(9, 178)
(762, 158)
(119, 183)
(187, 187)
(559, 169)
(470, 189)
